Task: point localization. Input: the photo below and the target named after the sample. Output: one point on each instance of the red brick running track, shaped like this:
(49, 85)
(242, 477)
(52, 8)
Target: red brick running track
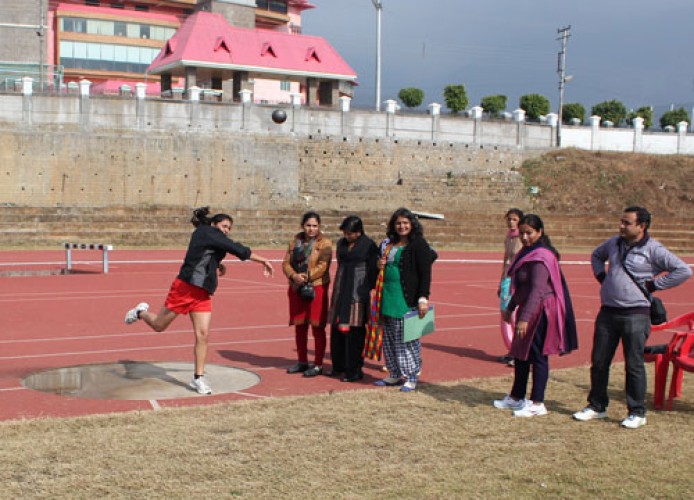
(52, 321)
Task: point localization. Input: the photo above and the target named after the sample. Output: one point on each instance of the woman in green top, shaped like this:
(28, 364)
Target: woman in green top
(406, 259)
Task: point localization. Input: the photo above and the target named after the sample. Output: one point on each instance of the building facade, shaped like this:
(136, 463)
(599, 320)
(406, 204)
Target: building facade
(112, 43)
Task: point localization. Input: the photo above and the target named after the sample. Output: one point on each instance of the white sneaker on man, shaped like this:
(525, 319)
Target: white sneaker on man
(200, 385)
(633, 422)
(134, 314)
(531, 410)
(508, 403)
(588, 413)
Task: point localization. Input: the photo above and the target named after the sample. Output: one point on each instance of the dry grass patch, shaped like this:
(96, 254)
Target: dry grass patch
(444, 441)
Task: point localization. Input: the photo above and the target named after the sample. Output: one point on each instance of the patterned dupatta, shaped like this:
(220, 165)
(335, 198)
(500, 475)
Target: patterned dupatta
(373, 347)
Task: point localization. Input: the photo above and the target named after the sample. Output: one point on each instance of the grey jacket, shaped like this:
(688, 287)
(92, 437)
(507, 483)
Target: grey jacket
(645, 260)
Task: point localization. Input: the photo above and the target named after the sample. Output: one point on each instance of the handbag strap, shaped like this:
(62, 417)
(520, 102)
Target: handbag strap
(622, 260)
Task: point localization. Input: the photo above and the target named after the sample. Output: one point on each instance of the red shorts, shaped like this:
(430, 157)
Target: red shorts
(185, 298)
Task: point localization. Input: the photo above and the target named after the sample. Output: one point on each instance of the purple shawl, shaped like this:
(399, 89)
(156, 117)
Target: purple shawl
(554, 306)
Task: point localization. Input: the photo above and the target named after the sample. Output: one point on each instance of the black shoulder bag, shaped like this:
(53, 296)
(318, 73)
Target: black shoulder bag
(658, 312)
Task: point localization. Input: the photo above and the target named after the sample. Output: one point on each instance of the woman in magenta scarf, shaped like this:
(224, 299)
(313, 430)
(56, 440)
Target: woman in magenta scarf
(540, 300)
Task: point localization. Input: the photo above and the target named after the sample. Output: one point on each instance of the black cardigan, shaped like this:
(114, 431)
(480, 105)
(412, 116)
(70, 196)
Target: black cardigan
(415, 270)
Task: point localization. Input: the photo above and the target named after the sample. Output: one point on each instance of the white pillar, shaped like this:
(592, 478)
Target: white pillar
(519, 115)
(435, 112)
(681, 134)
(345, 103)
(140, 90)
(27, 85)
(85, 85)
(294, 99)
(476, 115)
(594, 129)
(194, 93)
(476, 112)
(245, 96)
(519, 119)
(638, 133)
(552, 119)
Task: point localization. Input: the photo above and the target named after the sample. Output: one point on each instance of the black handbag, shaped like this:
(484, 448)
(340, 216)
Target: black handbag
(306, 291)
(658, 312)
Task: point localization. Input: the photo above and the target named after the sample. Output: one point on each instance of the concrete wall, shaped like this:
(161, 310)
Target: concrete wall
(98, 112)
(19, 45)
(62, 166)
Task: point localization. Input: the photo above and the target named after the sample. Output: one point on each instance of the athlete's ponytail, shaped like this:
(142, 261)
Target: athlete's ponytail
(200, 216)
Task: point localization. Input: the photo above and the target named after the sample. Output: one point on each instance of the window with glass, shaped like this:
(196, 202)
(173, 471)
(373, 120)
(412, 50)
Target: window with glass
(115, 28)
(106, 57)
(285, 85)
(273, 5)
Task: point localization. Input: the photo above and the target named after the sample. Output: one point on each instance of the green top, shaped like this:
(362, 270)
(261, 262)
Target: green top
(393, 301)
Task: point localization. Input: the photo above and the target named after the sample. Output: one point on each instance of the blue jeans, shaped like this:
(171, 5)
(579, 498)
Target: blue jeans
(632, 329)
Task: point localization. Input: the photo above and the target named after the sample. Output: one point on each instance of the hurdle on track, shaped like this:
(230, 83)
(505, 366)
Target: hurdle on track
(69, 247)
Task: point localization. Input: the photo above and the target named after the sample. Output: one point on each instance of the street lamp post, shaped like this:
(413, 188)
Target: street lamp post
(379, 7)
(564, 34)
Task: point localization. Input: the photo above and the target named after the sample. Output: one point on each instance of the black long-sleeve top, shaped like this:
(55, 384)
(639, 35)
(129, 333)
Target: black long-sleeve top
(207, 248)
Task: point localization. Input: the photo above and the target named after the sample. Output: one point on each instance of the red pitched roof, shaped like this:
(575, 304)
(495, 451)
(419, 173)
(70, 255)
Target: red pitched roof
(207, 40)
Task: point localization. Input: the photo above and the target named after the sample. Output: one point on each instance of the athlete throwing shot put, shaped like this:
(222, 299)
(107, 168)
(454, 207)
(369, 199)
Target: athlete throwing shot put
(192, 290)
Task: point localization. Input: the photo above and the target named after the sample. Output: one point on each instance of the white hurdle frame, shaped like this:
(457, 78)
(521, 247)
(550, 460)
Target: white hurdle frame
(69, 247)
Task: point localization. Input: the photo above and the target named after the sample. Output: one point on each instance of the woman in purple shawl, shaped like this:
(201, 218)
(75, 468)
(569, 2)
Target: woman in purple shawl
(545, 324)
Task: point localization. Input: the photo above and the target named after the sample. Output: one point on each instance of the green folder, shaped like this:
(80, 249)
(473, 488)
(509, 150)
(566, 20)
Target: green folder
(415, 327)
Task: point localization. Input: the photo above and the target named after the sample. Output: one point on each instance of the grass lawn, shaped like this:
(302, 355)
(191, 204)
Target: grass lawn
(443, 441)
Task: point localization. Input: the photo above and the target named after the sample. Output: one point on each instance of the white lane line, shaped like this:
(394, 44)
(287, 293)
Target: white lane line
(137, 334)
(141, 349)
(250, 395)
(155, 404)
(7, 389)
(58, 296)
(187, 345)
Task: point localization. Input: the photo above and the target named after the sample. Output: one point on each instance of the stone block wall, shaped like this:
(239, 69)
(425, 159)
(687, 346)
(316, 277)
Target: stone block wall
(48, 167)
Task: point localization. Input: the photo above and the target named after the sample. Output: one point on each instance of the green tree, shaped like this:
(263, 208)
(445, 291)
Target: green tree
(494, 104)
(673, 117)
(644, 112)
(534, 105)
(411, 96)
(571, 111)
(455, 97)
(613, 111)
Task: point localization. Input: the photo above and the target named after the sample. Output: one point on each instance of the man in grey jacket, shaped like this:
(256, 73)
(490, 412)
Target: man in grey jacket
(625, 311)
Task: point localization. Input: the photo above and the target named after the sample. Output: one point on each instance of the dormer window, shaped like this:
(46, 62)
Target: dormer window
(311, 54)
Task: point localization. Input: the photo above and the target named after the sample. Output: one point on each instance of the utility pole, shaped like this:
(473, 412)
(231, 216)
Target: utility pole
(379, 8)
(564, 34)
(41, 34)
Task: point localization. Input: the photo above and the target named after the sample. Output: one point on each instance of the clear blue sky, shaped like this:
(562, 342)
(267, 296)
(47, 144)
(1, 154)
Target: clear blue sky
(640, 52)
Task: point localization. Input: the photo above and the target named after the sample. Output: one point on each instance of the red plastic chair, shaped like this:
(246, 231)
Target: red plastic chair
(681, 361)
(662, 360)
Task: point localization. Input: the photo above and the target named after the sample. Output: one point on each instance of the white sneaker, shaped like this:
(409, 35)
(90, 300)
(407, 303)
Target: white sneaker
(134, 314)
(634, 422)
(588, 413)
(531, 410)
(508, 403)
(200, 386)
